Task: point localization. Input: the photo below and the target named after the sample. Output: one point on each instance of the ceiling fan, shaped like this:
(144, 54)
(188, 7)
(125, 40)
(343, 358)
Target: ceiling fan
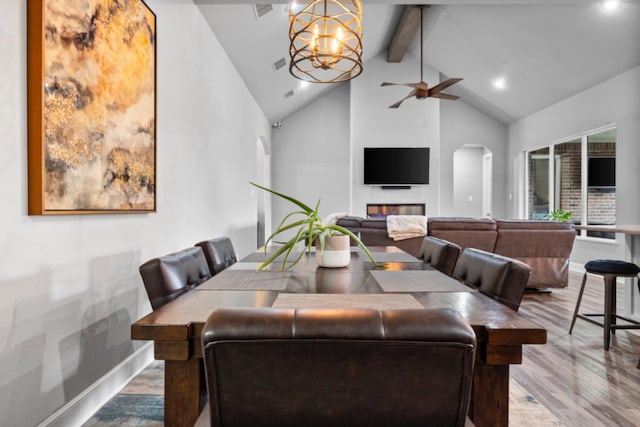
(421, 90)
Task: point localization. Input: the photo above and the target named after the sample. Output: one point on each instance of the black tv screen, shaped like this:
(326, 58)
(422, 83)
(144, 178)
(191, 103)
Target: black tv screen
(601, 172)
(396, 166)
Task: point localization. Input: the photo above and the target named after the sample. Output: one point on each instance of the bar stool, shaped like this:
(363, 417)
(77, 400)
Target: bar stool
(610, 270)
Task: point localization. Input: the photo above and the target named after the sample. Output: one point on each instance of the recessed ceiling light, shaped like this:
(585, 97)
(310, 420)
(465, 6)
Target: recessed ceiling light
(303, 84)
(499, 83)
(611, 4)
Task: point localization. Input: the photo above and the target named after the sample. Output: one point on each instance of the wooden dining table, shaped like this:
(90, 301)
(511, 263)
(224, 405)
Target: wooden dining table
(402, 281)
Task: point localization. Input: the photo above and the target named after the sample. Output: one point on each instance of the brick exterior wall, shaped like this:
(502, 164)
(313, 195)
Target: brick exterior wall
(601, 202)
(570, 178)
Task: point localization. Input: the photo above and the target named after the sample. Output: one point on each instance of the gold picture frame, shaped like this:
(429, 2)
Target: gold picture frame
(91, 96)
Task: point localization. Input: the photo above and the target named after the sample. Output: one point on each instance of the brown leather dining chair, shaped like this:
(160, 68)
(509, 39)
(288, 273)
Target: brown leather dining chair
(440, 254)
(167, 277)
(501, 278)
(219, 253)
(337, 367)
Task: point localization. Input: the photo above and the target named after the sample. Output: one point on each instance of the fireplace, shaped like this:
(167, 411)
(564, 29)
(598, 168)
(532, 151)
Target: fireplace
(381, 210)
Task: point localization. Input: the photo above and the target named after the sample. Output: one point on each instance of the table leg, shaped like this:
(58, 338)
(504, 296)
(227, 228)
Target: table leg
(490, 395)
(181, 392)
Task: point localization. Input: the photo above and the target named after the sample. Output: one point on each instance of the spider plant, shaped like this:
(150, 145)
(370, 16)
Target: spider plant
(562, 215)
(308, 228)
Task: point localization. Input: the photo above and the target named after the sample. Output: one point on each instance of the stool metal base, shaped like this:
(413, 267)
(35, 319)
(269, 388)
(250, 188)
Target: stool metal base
(609, 321)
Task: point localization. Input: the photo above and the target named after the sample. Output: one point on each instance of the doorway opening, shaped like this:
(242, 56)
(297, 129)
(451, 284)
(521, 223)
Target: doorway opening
(263, 205)
(472, 181)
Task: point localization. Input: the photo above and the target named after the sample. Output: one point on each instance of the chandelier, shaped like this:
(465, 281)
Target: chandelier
(326, 40)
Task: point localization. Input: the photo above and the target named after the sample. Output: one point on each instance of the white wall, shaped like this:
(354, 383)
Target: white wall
(373, 124)
(614, 101)
(310, 158)
(356, 115)
(70, 285)
(461, 124)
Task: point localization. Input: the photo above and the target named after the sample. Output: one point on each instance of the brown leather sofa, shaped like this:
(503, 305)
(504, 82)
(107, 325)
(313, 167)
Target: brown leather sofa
(545, 246)
(338, 367)
(479, 233)
(373, 232)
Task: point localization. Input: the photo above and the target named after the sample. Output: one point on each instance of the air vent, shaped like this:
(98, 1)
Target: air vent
(288, 94)
(262, 9)
(279, 64)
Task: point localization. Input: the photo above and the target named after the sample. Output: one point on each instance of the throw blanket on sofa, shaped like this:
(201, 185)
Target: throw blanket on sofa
(402, 227)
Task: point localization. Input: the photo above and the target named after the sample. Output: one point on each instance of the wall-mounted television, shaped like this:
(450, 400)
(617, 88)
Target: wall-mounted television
(396, 165)
(601, 172)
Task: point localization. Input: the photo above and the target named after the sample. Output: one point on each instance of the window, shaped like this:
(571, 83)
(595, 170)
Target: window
(580, 178)
(538, 196)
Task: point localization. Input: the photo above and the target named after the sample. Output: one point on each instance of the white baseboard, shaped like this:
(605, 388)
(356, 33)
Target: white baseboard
(576, 266)
(77, 411)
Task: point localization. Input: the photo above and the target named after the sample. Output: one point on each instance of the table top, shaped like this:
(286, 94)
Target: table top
(416, 283)
(633, 229)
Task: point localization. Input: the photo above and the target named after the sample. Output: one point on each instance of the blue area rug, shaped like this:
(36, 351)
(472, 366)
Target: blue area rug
(139, 404)
(124, 408)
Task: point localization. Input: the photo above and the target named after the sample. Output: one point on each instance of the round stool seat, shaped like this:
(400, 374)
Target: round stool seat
(611, 266)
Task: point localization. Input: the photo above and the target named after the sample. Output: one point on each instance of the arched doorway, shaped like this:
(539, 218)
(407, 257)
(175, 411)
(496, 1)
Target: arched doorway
(472, 181)
(263, 177)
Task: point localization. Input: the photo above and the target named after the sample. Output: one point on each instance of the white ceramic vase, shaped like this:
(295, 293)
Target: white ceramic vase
(336, 253)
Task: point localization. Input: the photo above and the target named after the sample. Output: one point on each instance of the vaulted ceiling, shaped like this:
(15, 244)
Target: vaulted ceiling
(545, 51)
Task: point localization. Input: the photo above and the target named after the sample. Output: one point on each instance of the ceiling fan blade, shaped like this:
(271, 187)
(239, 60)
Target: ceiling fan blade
(413, 85)
(437, 88)
(445, 96)
(397, 104)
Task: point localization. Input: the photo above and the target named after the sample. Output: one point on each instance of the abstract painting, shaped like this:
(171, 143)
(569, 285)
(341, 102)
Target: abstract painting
(91, 106)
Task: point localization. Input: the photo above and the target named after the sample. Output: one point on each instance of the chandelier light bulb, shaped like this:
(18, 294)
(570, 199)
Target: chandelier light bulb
(325, 40)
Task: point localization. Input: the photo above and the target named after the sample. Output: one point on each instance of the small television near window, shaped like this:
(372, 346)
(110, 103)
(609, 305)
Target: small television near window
(396, 166)
(601, 172)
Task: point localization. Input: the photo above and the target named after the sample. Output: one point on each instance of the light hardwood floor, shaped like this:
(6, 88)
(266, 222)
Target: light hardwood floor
(572, 375)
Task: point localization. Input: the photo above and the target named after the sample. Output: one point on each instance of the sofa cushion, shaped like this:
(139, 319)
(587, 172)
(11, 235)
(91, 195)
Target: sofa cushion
(520, 224)
(479, 239)
(545, 250)
(459, 223)
(535, 243)
(376, 223)
(349, 221)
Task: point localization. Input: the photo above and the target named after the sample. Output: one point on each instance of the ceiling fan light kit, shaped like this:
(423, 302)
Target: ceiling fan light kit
(325, 40)
(421, 89)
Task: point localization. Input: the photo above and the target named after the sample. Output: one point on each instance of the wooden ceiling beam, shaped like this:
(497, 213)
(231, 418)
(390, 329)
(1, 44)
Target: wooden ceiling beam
(406, 28)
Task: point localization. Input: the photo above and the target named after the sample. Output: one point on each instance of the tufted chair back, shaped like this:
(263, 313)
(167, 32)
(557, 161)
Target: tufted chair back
(219, 253)
(440, 254)
(338, 367)
(503, 279)
(167, 277)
